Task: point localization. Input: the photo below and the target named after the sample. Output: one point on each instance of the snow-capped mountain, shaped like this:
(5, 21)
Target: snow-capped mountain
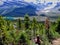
(17, 9)
(52, 10)
(21, 7)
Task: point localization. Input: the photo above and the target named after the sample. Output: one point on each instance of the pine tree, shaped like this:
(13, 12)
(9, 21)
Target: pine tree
(23, 39)
(19, 24)
(2, 22)
(9, 25)
(58, 26)
(27, 21)
(34, 26)
(2, 30)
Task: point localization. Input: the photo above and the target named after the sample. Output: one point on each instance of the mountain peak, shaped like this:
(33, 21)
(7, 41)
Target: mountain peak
(21, 7)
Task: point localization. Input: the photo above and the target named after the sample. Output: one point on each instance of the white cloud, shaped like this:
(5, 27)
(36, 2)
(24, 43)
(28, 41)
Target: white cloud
(1, 3)
(30, 1)
(51, 6)
(42, 1)
(50, 0)
(36, 0)
(3, 0)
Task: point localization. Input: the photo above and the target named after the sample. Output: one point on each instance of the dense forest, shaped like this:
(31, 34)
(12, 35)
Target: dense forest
(18, 32)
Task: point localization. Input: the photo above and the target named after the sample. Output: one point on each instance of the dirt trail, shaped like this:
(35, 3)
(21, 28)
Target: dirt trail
(56, 42)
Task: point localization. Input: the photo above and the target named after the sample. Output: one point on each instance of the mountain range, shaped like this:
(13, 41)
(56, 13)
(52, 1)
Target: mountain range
(20, 8)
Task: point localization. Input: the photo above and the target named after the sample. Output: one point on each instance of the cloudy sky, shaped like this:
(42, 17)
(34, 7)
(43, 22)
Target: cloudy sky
(42, 0)
(34, 1)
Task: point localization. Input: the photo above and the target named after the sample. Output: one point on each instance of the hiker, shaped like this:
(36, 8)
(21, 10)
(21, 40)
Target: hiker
(38, 41)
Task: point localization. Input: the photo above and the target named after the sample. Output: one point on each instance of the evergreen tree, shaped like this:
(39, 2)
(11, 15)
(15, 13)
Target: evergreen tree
(34, 26)
(58, 26)
(2, 30)
(27, 21)
(9, 25)
(19, 24)
(34, 22)
(2, 22)
(23, 39)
